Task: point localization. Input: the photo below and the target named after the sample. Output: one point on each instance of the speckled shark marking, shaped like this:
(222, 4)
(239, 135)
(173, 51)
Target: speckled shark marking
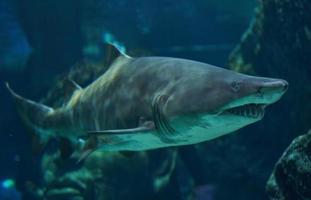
(153, 102)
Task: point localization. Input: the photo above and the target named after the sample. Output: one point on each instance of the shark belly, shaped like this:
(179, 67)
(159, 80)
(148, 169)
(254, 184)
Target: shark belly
(133, 142)
(151, 140)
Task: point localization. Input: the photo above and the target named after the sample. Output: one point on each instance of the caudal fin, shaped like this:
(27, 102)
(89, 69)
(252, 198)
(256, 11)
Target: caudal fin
(34, 116)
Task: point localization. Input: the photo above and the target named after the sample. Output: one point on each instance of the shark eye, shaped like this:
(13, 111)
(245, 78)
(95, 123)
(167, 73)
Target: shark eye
(236, 86)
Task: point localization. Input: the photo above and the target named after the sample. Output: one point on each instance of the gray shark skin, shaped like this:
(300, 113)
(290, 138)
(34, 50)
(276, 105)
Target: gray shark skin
(153, 102)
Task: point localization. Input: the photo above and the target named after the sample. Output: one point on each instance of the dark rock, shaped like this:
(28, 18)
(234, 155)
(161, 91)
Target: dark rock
(291, 177)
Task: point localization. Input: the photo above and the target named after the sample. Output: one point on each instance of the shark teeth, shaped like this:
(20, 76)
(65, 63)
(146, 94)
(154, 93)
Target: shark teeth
(248, 110)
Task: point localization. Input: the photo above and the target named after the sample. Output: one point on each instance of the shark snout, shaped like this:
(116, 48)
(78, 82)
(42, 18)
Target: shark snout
(274, 86)
(271, 90)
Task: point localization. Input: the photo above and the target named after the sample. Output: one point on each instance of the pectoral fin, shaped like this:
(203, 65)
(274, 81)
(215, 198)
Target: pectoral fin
(96, 139)
(145, 127)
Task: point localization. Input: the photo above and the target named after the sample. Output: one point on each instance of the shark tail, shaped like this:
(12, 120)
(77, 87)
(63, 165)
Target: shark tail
(34, 115)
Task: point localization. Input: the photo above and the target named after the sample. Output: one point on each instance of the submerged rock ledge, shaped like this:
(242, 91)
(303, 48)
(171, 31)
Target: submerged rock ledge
(291, 177)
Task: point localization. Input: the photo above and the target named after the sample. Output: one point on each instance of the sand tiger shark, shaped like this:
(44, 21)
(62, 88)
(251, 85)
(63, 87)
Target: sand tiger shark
(152, 102)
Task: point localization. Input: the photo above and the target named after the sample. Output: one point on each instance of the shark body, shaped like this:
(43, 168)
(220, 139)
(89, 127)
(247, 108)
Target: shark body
(153, 102)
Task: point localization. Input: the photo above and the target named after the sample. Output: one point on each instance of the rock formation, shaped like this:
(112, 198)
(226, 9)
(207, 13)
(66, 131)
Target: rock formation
(291, 177)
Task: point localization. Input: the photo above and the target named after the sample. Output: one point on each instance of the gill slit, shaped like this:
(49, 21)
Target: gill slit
(164, 129)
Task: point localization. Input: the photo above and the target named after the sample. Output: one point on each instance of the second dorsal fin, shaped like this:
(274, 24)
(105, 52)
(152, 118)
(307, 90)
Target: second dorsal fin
(69, 89)
(112, 52)
(72, 85)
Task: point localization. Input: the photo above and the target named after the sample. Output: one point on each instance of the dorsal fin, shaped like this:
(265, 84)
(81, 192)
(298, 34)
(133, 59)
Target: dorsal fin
(71, 85)
(112, 52)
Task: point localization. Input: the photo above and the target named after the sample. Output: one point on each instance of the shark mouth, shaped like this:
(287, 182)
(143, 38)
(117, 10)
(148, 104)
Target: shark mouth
(247, 110)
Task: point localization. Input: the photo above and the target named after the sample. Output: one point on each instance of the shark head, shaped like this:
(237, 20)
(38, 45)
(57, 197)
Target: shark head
(219, 101)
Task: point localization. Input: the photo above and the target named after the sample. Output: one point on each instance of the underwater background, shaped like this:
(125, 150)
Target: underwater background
(43, 42)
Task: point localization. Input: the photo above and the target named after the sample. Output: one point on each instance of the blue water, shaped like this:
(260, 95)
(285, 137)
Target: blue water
(43, 40)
